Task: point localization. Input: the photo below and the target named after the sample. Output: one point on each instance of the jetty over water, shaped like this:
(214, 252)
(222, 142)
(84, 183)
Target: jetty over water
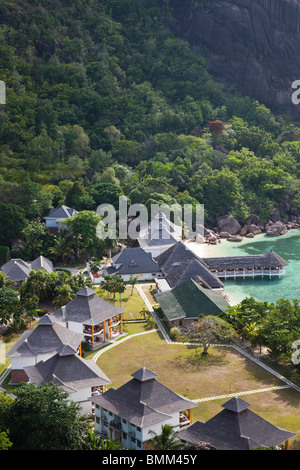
(179, 263)
(267, 264)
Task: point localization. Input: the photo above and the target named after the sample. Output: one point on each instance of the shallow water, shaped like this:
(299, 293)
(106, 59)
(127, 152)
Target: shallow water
(265, 289)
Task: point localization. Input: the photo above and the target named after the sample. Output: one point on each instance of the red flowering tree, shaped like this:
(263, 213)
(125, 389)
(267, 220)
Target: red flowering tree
(216, 127)
(211, 329)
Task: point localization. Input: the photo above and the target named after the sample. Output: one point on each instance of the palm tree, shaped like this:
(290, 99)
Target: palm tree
(132, 281)
(113, 284)
(167, 440)
(63, 295)
(95, 265)
(63, 247)
(96, 442)
(5, 281)
(37, 284)
(109, 243)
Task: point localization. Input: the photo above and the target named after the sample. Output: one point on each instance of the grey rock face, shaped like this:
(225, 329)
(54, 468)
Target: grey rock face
(228, 224)
(254, 44)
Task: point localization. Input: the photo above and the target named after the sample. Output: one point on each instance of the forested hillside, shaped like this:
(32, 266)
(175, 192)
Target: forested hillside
(103, 100)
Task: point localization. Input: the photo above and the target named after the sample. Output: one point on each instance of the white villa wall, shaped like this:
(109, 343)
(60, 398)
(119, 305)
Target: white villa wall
(157, 428)
(141, 435)
(141, 277)
(51, 223)
(18, 363)
(82, 398)
(73, 326)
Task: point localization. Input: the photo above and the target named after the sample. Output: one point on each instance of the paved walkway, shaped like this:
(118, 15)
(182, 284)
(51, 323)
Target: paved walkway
(113, 343)
(239, 350)
(150, 308)
(249, 392)
(120, 341)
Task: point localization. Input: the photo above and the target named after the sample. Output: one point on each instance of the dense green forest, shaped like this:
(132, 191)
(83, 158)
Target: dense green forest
(102, 100)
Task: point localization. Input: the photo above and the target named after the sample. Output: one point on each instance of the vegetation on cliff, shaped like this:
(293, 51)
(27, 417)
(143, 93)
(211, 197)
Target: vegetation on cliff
(103, 100)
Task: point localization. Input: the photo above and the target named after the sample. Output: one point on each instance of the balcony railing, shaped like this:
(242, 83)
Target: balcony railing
(116, 425)
(97, 391)
(87, 330)
(184, 418)
(249, 272)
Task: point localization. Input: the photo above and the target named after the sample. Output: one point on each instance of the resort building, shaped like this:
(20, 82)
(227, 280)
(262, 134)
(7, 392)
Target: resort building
(129, 262)
(90, 315)
(45, 340)
(42, 264)
(80, 378)
(183, 304)
(56, 216)
(159, 235)
(179, 264)
(268, 264)
(129, 414)
(18, 270)
(236, 428)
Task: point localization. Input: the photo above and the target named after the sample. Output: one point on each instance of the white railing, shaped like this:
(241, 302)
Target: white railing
(250, 272)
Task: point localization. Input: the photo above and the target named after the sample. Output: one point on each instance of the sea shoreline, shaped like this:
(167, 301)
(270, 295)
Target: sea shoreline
(264, 289)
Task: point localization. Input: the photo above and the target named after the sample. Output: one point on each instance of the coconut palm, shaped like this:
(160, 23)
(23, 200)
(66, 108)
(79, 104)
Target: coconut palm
(63, 247)
(132, 281)
(63, 295)
(167, 440)
(95, 265)
(5, 281)
(37, 284)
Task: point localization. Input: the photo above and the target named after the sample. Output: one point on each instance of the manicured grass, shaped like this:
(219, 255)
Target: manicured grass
(188, 373)
(132, 302)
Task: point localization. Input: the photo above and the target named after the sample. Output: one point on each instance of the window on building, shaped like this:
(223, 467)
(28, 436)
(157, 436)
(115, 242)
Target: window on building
(124, 435)
(138, 443)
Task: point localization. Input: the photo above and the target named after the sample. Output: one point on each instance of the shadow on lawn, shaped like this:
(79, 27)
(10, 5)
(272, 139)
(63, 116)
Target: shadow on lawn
(196, 360)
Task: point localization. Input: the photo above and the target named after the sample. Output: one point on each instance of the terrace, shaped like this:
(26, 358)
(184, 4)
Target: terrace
(107, 330)
(242, 272)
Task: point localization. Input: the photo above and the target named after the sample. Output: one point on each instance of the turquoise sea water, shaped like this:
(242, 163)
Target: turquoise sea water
(265, 289)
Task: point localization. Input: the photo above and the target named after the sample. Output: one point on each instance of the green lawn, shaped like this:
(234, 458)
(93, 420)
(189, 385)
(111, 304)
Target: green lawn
(186, 372)
(133, 303)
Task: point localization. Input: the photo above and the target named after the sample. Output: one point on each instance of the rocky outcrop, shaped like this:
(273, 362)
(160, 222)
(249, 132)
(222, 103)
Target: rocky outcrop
(224, 235)
(276, 229)
(228, 224)
(254, 229)
(235, 238)
(254, 44)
